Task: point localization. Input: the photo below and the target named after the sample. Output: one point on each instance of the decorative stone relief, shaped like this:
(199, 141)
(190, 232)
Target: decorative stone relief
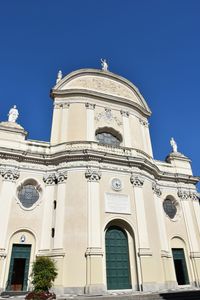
(90, 105)
(183, 194)
(61, 176)
(65, 105)
(144, 122)
(93, 175)
(9, 174)
(107, 116)
(124, 113)
(193, 196)
(57, 105)
(53, 178)
(50, 178)
(156, 189)
(136, 181)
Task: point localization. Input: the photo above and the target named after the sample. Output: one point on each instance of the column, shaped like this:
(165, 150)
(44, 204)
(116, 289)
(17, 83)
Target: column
(94, 254)
(49, 196)
(7, 195)
(90, 121)
(60, 210)
(55, 129)
(64, 123)
(126, 128)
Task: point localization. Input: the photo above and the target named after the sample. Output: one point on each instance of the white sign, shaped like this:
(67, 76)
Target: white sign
(117, 203)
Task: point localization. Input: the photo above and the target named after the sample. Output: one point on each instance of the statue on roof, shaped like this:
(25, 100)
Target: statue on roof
(104, 64)
(59, 76)
(13, 114)
(173, 144)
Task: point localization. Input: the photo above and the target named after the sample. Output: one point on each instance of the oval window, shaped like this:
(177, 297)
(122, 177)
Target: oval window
(169, 208)
(28, 195)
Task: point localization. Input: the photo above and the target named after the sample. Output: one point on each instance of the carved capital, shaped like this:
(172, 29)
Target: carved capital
(193, 196)
(90, 105)
(10, 174)
(57, 105)
(156, 189)
(93, 175)
(65, 105)
(184, 195)
(124, 113)
(136, 181)
(61, 176)
(50, 178)
(144, 122)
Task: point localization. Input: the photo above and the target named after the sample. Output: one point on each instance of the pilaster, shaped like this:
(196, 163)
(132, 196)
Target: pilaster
(126, 128)
(60, 209)
(90, 121)
(64, 123)
(55, 129)
(94, 254)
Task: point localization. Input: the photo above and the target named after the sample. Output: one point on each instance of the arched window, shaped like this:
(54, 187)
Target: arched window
(108, 136)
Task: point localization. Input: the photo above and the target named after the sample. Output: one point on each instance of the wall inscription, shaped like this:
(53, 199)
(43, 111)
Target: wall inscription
(117, 203)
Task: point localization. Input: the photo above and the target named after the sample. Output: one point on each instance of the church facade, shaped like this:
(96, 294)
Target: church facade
(93, 198)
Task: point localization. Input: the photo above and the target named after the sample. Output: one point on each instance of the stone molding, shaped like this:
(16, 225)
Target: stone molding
(156, 189)
(10, 174)
(96, 251)
(194, 254)
(124, 113)
(55, 177)
(93, 175)
(166, 254)
(145, 252)
(90, 106)
(136, 181)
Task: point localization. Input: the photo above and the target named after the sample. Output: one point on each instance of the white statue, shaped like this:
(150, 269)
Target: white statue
(173, 144)
(13, 114)
(104, 64)
(59, 76)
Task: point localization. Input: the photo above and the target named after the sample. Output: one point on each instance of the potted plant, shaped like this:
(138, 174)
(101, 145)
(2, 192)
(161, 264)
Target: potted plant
(44, 273)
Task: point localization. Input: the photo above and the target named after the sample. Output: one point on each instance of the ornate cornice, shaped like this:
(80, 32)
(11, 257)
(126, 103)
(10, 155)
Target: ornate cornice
(93, 175)
(136, 181)
(92, 151)
(9, 174)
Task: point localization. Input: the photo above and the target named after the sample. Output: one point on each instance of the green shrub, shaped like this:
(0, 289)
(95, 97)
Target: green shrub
(44, 273)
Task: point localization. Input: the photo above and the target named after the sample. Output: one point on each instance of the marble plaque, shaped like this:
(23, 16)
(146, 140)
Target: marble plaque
(117, 203)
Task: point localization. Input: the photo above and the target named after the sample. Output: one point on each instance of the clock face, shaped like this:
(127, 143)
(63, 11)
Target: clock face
(116, 184)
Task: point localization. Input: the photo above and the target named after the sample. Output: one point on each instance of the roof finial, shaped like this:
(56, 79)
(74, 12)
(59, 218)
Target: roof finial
(173, 144)
(104, 64)
(59, 76)
(13, 114)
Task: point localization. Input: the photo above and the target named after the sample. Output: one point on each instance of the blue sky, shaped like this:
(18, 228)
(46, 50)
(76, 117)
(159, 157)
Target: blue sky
(153, 43)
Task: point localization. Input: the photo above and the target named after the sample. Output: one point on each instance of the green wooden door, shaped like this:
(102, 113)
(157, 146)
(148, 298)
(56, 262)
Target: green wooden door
(180, 266)
(117, 259)
(19, 267)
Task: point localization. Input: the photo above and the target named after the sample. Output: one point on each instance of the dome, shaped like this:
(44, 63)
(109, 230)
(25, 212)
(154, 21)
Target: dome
(103, 84)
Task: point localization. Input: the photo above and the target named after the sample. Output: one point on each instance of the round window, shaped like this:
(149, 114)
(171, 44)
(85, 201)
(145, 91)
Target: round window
(170, 208)
(28, 195)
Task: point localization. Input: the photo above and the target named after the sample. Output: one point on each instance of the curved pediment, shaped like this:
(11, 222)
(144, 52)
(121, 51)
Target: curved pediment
(104, 82)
